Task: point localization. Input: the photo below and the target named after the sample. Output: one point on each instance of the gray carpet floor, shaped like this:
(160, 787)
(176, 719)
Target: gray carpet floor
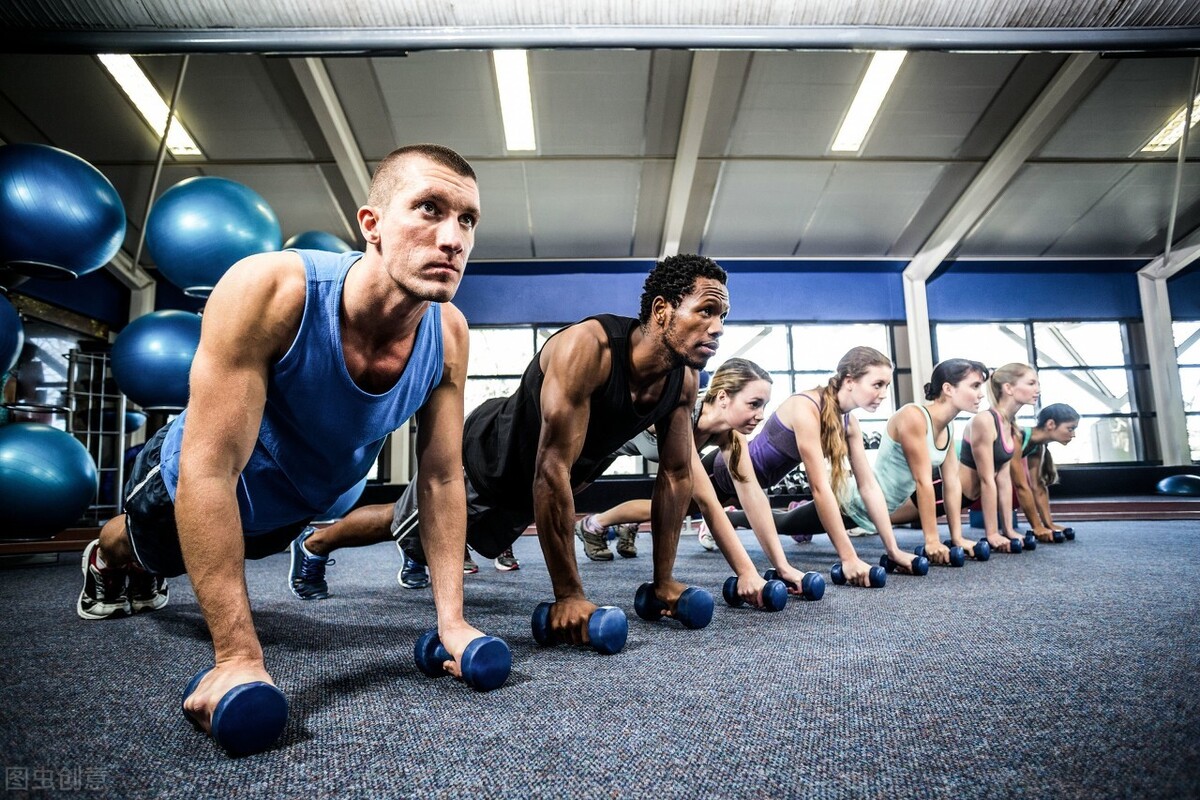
(1067, 672)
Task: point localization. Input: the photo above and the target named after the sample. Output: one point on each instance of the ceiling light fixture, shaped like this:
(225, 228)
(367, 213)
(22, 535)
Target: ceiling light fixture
(516, 100)
(1172, 132)
(874, 87)
(146, 99)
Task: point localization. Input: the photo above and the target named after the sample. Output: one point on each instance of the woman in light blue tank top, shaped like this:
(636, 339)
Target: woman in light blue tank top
(922, 437)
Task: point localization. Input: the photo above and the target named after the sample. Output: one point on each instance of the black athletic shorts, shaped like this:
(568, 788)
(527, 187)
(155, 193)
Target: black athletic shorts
(491, 528)
(939, 501)
(150, 518)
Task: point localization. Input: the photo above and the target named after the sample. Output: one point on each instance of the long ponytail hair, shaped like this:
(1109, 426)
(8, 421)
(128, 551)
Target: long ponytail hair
(1009, 373)
(854, 364)
(732, 377)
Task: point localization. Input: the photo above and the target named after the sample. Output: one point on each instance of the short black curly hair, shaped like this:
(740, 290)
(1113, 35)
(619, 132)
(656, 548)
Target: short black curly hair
(674, 277)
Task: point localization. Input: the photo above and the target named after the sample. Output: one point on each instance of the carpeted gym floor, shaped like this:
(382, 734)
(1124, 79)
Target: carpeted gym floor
(1066, 672)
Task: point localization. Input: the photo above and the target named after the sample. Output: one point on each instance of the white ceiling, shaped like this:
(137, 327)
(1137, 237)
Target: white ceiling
(753, 175)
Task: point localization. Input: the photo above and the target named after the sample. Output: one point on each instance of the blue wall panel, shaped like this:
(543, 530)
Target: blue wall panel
(1184, 291)
(986, 296)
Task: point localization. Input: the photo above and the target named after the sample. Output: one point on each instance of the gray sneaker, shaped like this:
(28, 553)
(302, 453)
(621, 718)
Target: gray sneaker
(627, 540)
(595, 545)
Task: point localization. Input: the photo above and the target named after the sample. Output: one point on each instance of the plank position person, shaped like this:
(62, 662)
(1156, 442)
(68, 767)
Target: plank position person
(731, 409)
(307, 360)
(1056, 422)
(592, 387)
(815, 428)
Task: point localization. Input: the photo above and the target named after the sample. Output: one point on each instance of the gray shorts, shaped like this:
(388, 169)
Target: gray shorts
(491, 529)
(150, 518)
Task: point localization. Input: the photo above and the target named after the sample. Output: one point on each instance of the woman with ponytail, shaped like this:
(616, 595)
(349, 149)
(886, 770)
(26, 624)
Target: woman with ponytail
(1055, 423)
(732, 407)
(814, 427)
(918, 443)
(989, 444)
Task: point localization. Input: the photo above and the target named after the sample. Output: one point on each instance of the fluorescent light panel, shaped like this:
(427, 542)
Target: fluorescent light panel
(146, 99)
(872, 90)
(1172, 132)
(516, 101)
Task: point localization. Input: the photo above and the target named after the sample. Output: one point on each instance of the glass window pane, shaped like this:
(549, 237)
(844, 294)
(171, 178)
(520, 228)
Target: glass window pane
(1075, 344)
(821, 347)
(1193, 424)
(1189, 381)
(1187, 342)
(1090, 391)
(994, 344)
(765, 345)
(1105, 440)
(481, 389)
(500, 351)
(545, 333)
(625, 465)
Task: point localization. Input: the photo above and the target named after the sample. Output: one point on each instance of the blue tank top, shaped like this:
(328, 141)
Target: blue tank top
(320, 432)
(893, 474)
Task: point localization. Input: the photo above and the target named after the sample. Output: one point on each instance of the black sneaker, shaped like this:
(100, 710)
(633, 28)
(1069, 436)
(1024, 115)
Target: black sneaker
(413, 575)
(307, 576)
(103, 595)
(146, 591)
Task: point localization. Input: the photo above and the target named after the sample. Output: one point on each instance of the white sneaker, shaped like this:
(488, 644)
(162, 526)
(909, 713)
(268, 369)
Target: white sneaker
(705, 537)
(856, 531)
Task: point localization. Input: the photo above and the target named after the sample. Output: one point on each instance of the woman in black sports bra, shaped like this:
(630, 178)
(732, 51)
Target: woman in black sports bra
(989, 445)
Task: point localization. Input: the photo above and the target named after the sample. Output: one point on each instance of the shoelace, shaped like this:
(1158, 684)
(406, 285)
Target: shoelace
(313, 567)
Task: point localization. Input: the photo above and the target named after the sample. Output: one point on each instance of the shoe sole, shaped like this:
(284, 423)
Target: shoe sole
(504, 568)
(121, 611)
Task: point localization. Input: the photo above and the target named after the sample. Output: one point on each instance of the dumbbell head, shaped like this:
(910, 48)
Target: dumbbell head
(1030, 542)
(957, 557)
(695, 608)
(646, 604)
(774, 595)
(771, 574)
(730, 593)
(486, 662)
(920, 566)
(608, 628)
(540, 623)
(1015, 546)
(1057, 536)
(812, 587)
(249, 718)
(1069, 534)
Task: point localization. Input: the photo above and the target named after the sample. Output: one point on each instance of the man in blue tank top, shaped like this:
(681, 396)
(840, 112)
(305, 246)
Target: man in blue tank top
(368, 338)
(591, 388)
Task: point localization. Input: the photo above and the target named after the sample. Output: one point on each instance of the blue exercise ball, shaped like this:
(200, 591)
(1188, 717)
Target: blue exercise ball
(201, 227)
(317, 240)
(343, 505)
(1183, 485)
(12, 335)
(62, 217)
(47, 480)
(152, 357)
(133, 420)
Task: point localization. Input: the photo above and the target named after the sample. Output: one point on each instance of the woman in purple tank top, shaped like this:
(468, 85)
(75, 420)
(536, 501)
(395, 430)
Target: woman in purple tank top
(989, 447)
(825, 431)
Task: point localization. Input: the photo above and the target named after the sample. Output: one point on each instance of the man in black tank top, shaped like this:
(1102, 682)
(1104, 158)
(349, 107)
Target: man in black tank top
(591, 388)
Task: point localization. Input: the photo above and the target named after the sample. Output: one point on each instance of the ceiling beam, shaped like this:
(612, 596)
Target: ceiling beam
(1059, 99)
(335, 127)
(1184, 255)
(691, 133)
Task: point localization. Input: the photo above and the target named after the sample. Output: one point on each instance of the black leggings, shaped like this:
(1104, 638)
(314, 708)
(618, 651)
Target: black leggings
(802, 520)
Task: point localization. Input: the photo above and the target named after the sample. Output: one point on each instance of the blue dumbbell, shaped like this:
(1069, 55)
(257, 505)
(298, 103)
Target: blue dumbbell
(982, 551)
(957, 556)
(1030, 542)
(812, 585)
(773, 596)
(877, 580)
(248, 719)
(607, 628)
(485, 663)
(1015, 545)
(920, 566)
(1068, 534)
(693, 610)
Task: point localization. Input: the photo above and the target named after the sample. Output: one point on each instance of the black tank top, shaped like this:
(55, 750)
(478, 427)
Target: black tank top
(500, 441)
